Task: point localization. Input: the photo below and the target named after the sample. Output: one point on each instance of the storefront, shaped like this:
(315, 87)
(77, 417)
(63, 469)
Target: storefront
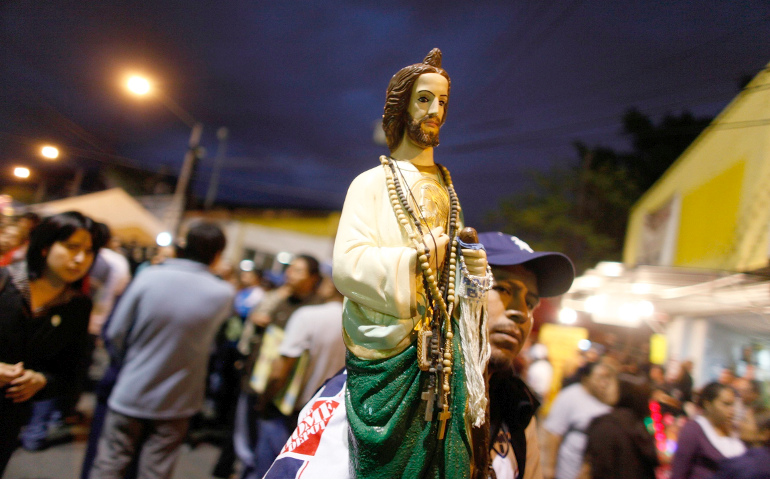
(716, 319)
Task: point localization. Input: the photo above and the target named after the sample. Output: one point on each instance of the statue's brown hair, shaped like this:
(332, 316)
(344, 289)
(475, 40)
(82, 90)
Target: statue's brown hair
(399, 92)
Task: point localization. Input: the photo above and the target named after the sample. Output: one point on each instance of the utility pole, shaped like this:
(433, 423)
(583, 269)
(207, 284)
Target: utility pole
(211, 194)
(173, 217)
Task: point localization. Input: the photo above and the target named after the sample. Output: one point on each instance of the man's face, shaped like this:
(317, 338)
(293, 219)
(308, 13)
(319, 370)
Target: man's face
(427, 104)
(248, 278)
(722, 410)
(602, 383)
(10, 237)
(298, 277)
(510, 306)
(746, 391)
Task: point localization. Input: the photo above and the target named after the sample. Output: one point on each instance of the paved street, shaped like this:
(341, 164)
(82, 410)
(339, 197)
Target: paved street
(65, 461)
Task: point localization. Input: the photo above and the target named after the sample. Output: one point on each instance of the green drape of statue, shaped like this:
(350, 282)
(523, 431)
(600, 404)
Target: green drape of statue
(389, 436)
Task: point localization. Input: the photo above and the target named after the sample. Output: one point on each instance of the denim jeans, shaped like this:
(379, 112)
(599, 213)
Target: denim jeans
(46, 416)
(272, 436)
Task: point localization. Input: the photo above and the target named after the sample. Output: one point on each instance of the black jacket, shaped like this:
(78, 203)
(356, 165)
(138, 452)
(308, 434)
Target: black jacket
(512, 403)
(53, 342)
(619, 446)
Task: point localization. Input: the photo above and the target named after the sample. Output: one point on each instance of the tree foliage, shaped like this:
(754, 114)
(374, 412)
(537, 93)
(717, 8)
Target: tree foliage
(582, 209)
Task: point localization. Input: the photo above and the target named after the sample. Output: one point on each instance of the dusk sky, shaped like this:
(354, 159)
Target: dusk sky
(301, 85)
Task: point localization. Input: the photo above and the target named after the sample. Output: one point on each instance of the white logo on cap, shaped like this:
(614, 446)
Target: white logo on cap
(522, 244)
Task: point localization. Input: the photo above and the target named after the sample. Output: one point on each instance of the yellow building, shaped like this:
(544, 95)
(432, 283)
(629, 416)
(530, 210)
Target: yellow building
(695, 263)
(711, 209)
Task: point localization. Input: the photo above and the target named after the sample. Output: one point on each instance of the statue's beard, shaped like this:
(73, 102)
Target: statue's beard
(418, 136)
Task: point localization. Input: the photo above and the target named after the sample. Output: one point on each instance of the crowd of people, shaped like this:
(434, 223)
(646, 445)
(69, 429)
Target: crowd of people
(183, 334)
(421, 371)
(618, 418)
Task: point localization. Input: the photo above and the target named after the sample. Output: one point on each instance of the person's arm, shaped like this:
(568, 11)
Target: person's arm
(261, 315)
(662, 397)
(552, 444)
(533, 468)
(556, 426)
(120, 324)
(279, 376)
(686, 448)
(296, 340)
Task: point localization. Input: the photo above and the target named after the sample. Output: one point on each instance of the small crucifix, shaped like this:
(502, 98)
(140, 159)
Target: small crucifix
(443, 416)
(429, 396)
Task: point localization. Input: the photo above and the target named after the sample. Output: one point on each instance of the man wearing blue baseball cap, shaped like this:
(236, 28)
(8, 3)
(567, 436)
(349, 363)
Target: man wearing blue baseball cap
(522, 276)
(319, 447)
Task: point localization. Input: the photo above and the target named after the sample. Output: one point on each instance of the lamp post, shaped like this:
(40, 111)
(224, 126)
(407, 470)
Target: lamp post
(21, 172)
(211, 194)
(172, 219)
(52, 154)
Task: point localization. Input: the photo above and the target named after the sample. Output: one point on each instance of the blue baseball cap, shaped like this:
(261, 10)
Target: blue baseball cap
(554, 271)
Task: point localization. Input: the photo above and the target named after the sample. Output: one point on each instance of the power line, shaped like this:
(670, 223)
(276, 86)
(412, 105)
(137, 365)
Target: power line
(99, 155)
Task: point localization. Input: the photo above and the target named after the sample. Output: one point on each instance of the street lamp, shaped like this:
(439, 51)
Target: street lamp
(50, 152)
(141, 86)
(21, 172)
(138, 85)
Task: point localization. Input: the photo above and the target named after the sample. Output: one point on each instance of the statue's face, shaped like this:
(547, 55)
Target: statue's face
(427, 104)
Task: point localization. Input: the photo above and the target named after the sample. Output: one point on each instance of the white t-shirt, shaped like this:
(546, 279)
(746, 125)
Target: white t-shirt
(104, 296)
(316, 329)
(569, 417)
(540, 377)
(504, 459)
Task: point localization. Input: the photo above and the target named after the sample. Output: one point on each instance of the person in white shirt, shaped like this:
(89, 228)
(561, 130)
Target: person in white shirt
(571, 413)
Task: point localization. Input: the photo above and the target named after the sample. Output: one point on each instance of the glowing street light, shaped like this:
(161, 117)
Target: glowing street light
(50, 152)
(141, 86)
(138, 85)
(21, 172)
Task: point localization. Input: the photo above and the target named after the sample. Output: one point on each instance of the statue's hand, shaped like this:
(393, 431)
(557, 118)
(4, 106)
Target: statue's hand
(436, 243)
(475, 261)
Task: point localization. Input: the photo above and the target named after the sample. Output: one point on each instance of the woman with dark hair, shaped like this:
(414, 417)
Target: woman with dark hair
(619, 445)
(755, 463)
(44, 319)
(709, 438)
